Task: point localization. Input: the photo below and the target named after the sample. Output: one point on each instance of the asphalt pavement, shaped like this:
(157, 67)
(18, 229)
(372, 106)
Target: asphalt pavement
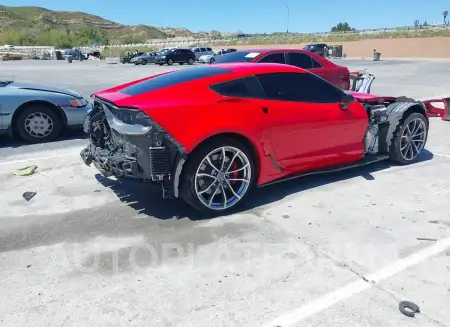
(332, 250)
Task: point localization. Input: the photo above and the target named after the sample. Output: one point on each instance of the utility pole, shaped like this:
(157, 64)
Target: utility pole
(287, 24)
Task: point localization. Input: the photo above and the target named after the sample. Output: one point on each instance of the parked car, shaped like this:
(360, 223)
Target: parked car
(180, 56)
(320, 48)
(38, 113)
(209, 134)
(201, 51)
(209, 59)
(146, 58)
(127, 58)
(335, 74)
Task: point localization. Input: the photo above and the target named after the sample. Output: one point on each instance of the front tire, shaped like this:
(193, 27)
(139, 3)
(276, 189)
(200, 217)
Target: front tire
(144, 62)
(170, 62)
(211, 61)
(38, 124)
(218, 176)
(409, 139)
(190, 61)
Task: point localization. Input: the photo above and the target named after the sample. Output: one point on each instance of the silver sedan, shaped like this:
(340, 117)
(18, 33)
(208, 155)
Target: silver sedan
(39, 113)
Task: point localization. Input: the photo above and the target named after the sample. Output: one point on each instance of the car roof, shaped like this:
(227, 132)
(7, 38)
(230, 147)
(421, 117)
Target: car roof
(269, 50)
(245, 68)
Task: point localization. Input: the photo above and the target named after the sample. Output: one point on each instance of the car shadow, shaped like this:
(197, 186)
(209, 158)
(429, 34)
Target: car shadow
(7, 142)
(146, 199)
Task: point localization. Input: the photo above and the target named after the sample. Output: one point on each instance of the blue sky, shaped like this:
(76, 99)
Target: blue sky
(254, 16)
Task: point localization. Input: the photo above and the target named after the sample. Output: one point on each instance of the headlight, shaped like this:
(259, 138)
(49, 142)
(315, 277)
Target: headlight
(78, 103)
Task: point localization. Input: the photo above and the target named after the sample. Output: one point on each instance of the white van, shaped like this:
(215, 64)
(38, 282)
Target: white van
(201, 51)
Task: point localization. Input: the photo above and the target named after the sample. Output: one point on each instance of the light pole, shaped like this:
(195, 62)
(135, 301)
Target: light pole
(287, 27)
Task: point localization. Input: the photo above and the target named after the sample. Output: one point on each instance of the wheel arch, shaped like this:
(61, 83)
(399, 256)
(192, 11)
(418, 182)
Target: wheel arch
(246, 141)
(399, 111)
(27, 104)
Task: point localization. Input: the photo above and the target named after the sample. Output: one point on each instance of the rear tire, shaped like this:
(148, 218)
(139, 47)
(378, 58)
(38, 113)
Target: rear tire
(38, 123)
(200, 182)
(144, 62)
(191, 61)
(211, 61)
(409, 139)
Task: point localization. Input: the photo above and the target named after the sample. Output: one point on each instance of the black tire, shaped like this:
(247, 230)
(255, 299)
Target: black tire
(187, 178)
(39, 108)
(144, 62)
(170, 62)
(190, 61)
(211, 61)
(181, 63)
(161, 64)
(395, 153)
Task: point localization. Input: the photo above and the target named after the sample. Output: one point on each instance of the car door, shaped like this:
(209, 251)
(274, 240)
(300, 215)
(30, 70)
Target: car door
(308, 126)
(276, 57)
(178, 55)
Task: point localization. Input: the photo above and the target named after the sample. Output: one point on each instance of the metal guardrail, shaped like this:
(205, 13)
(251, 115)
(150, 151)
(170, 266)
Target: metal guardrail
(186, 42)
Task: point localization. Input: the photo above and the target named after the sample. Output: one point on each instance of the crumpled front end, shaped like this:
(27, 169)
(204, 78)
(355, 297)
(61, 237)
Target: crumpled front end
(127, 143)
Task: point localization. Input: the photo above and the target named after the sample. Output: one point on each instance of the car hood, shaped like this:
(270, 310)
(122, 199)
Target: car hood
(44, 88)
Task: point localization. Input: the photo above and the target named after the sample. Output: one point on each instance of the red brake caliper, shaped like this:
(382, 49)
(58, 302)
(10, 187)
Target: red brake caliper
(234, 166)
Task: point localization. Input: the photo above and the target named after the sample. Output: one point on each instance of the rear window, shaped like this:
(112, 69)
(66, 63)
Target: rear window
(173, 78)
(238, 56)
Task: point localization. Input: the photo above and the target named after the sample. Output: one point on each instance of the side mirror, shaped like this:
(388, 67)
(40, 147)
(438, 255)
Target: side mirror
(346, 100)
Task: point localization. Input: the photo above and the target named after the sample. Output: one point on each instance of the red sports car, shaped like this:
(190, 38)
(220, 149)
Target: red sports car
(335, 74)
(209, 134)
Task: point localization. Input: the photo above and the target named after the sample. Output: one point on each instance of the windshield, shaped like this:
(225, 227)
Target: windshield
(166, 52)
(238, 56)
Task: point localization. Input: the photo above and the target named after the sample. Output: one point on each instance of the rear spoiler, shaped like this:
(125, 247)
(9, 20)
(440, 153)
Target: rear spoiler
(433, 111)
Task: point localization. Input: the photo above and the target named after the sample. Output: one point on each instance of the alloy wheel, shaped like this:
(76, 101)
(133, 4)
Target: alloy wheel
(413, 139)
(223, 178)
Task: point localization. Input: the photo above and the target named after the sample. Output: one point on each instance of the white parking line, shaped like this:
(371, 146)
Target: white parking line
(292, 318)
(441, 154)
(38, 158)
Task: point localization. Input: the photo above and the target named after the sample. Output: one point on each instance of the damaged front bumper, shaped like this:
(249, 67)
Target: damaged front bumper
(126, 142)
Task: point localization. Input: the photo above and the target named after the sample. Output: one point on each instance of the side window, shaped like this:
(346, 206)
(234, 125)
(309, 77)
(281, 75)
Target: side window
(248, 87)
(299, 59)
(277, 58)
(298, 87)
(202, 50)
(315, 63)
(197, 50)
(208, 49)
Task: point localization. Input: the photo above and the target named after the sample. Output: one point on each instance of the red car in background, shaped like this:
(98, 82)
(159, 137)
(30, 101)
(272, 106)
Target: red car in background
(312, 62)
(209, 134)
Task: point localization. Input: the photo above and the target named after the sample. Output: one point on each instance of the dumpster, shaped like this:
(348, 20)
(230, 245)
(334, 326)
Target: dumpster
(376, 56)
(336, 51)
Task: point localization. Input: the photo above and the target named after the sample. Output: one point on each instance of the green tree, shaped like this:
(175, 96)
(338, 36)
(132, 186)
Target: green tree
(342, 27)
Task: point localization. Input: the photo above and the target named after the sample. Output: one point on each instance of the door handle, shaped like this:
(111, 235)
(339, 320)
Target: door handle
(265, 110)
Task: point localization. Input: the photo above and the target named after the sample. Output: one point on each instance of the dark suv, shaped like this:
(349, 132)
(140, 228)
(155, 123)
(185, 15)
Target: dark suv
(172, 56)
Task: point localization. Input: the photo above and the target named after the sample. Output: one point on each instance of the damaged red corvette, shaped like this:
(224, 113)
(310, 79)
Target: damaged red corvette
(209, 134)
